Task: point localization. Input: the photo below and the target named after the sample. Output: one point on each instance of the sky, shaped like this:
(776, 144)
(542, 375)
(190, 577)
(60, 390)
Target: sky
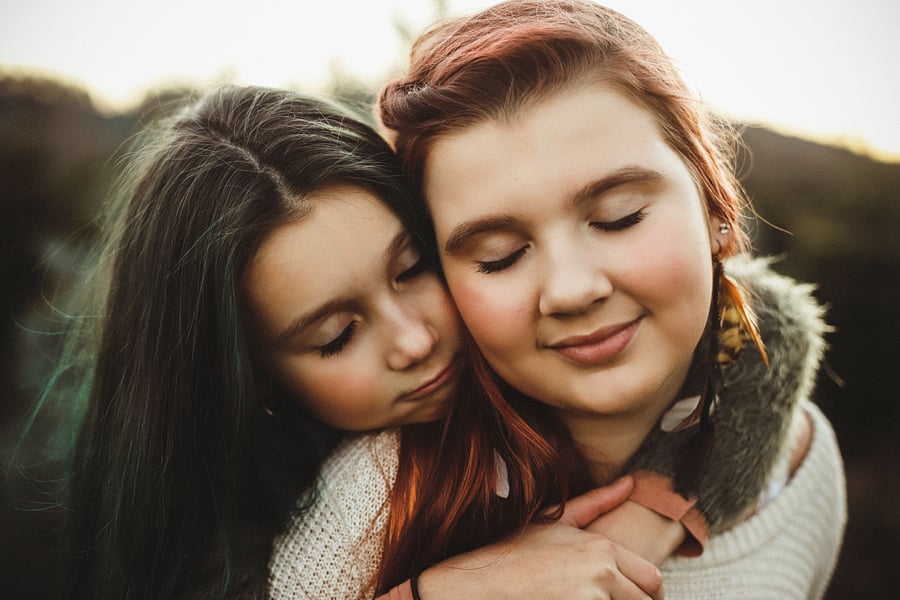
(823, 69)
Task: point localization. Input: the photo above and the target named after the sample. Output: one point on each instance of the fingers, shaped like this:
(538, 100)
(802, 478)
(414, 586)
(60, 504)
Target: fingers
(583, 509)
(642, 573)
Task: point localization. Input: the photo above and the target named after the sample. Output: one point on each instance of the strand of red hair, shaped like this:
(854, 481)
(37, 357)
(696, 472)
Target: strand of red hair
(445, 497)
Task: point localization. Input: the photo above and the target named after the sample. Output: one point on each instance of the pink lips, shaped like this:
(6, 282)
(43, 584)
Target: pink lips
(598, 347)
(432, 384)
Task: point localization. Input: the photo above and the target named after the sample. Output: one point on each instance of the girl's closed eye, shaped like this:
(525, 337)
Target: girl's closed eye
(620, 224)
(416, 265)
(493, 266)
(337, 345)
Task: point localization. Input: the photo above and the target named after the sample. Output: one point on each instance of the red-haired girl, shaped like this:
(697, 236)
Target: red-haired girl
(583, 207)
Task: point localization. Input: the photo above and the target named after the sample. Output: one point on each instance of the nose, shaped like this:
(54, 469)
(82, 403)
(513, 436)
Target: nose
(573, 278)
(411, 337)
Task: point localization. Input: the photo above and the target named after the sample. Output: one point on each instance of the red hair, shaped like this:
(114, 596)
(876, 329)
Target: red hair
(444, 500)
(492, 65)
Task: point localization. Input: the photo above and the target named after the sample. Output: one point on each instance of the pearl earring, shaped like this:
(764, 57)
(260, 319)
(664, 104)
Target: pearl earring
(724, 228)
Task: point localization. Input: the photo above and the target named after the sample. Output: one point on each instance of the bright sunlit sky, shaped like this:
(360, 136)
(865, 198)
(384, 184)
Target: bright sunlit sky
(826, 69)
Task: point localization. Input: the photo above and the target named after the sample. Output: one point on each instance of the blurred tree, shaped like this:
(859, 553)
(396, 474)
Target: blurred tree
(352, 92)
(55, 146)
(56, 166)
(359, 95)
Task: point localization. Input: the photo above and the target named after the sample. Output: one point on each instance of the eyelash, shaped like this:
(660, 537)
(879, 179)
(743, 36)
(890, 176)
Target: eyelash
(337, 345)
(620, 224)
(494, 266)
(419, 267)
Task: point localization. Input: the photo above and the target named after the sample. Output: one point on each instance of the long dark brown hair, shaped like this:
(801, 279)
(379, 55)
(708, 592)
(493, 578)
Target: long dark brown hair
(181, 477)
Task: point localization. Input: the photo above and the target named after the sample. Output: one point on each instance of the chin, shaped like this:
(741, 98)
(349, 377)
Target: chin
(428, 415)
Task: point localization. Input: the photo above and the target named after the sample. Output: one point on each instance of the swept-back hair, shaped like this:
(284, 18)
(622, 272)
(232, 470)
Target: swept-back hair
(181, 478)
(493, 65)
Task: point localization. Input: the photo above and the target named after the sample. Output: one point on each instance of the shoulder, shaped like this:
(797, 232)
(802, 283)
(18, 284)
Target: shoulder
(790, 544)
(365, 456)
(759, 402)
(332, 548)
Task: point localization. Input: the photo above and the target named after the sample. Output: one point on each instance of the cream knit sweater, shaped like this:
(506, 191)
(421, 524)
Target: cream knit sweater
(332, 550)
(786, 551)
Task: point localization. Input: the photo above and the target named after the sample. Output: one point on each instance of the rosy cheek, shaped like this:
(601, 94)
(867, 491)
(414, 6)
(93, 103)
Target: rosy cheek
(334, 395)
(490, 313)
(678, 285)
(354, 389)
(669, 257)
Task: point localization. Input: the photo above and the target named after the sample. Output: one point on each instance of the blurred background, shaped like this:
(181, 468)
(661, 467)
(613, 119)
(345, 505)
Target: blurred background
(812, 86)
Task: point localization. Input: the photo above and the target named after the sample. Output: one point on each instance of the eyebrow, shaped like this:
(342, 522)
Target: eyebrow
(464, 232)
(303, 321)
(623, 176)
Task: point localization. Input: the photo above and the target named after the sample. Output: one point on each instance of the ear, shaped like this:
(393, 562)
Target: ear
(719, 235)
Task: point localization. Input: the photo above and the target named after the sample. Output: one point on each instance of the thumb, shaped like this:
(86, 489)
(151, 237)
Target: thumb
(583, 509)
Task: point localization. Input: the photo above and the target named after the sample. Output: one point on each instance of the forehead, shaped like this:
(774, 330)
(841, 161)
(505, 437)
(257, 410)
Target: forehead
(329, 253)
(336, 216)
(553, 141)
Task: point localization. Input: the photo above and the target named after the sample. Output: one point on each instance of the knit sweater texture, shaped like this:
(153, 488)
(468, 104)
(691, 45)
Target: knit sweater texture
(786, 550)
(332, 550)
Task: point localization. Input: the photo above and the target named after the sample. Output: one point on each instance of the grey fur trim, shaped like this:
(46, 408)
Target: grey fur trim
(758, 404)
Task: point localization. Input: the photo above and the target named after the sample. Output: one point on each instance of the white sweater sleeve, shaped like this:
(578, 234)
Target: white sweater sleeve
(333, 549)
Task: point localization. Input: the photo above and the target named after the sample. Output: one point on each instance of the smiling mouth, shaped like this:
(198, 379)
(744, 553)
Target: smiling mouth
(597, 347)
(433, 384)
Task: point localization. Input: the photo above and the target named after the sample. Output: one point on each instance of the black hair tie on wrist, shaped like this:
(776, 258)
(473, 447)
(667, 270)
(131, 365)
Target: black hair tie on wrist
(414, 585)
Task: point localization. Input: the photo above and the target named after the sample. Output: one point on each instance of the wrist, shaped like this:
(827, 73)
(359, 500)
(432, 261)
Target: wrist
(656, 492)
(451, 580)
(428, 583)
(414, 585)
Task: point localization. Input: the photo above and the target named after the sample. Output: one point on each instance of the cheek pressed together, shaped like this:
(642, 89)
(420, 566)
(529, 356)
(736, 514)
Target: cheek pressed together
(357, 327)
(576, 245)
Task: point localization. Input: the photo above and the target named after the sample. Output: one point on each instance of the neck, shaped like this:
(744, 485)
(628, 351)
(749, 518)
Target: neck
(609, 441)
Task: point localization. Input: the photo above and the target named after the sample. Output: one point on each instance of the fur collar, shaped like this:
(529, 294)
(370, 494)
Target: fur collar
(756, 407)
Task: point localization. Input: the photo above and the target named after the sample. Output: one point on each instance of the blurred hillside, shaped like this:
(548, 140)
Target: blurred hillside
(843, 214)
(842, 211)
